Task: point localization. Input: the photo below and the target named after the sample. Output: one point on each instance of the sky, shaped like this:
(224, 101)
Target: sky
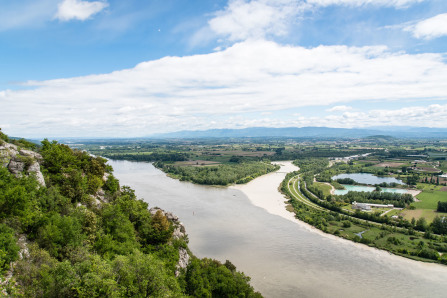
(110, 68)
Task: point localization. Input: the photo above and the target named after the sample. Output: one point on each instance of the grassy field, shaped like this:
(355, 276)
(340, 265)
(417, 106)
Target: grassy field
(428, 214)
(429, 200)
(324, 187)
(427, 206)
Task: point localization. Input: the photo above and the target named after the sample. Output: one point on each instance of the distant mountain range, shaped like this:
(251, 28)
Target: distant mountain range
(308, 132)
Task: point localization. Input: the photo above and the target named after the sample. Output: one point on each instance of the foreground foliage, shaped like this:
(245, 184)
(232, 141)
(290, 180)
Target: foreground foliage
(87, 237)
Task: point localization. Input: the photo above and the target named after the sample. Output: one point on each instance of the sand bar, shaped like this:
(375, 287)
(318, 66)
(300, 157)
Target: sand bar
(263, 191)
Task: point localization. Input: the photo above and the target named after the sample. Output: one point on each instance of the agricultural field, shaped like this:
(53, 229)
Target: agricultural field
(429, 200)
(426, 207)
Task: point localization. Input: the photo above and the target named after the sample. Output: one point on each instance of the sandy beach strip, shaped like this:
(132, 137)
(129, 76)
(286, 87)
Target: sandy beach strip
(263, 192)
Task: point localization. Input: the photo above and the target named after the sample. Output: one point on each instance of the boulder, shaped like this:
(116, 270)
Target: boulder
(16, 167)
(171, 217)
(105, 177)
(11, 147)
(30, 153)
(179, 232)
(7, 152)
(35, 168)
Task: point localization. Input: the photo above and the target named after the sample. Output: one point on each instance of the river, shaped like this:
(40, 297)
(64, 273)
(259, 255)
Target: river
(284, 257)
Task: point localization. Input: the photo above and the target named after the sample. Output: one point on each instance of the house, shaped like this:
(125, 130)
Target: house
(361, 206)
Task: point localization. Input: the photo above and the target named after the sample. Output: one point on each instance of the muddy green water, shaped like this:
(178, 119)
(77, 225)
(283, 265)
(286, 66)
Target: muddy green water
(284, 259)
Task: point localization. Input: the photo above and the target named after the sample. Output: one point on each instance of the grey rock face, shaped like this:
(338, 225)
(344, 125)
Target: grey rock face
(7, 152)
(11, 147)
(183, 261)
(30, 153)
(35, 169)
(16, 167)
(17, 160)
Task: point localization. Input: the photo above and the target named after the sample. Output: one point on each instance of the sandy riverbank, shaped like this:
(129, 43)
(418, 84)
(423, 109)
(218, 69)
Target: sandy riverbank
(263, 192)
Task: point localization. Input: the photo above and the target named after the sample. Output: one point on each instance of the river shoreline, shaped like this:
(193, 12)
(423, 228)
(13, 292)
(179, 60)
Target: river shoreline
(263, 192)
(283, 257)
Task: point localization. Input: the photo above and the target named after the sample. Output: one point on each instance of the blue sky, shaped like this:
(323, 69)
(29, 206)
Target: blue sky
(111, 68)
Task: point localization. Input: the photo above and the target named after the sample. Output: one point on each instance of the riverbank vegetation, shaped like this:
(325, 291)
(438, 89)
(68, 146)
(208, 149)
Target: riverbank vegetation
(224, 174)
(82, 235)
(415, 238)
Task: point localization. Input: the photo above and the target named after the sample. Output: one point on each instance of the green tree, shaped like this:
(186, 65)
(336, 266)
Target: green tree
(8, 247)
(421, 224)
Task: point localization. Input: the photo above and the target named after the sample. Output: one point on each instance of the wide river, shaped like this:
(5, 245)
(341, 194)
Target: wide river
(284, 257)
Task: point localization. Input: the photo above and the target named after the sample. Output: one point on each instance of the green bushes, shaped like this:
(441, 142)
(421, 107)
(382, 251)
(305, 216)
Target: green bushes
(133, 275)
(60, 235)
(442, 206)
(209, 278)
(117, 249)
(8, 247)
(75, 173)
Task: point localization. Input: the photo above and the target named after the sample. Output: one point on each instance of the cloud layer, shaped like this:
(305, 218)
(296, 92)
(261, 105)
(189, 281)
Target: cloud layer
(191, 92)
(255, 19)
(78, 9)
(430, 28)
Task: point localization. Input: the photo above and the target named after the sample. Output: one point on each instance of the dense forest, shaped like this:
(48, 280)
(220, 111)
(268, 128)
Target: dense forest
(82, 235)
(221, 174)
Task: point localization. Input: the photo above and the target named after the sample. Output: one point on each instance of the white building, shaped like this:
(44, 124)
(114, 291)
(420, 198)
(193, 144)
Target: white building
(367, 206)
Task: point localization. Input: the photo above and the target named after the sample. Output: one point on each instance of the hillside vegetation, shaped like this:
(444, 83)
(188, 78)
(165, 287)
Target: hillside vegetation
(82, 235)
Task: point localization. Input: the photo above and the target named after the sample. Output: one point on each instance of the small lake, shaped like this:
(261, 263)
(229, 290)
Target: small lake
(349, 188)
(366, 178)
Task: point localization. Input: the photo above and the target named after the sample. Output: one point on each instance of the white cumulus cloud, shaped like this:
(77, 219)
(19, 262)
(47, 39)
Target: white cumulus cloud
(78, 9)
(175, 93)
(430, 28)
(242, 20)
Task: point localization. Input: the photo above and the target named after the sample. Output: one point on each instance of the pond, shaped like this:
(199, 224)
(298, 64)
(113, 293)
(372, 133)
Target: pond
(366, 178)
(349, 188)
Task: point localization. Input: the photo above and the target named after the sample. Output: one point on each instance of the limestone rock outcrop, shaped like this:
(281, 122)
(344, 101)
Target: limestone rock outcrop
(21, 162)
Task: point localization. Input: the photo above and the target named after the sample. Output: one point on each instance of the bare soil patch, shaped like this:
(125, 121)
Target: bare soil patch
(413, 213)
(389, 164)
(443, 188)
(427, 169)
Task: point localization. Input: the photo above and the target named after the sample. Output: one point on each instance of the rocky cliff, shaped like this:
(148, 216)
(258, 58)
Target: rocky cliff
(21, 161)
